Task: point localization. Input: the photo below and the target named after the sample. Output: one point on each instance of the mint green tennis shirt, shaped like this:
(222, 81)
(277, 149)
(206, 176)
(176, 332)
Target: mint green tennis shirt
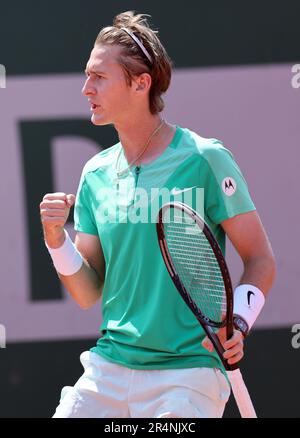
(145, 322)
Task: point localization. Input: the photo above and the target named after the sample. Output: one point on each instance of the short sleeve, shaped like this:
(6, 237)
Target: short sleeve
(226, 192)
(84, 219)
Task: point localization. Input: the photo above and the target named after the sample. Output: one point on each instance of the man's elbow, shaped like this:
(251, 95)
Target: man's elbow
(86, 302)
(86, 305)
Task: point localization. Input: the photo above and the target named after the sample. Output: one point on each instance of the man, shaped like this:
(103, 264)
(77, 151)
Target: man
(153, 359)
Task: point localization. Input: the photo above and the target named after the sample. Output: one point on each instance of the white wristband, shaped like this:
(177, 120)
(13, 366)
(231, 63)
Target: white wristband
(67, 259)
(248, 301)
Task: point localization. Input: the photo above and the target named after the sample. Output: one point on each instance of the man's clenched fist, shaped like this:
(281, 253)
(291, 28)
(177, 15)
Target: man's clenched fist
(54, 211)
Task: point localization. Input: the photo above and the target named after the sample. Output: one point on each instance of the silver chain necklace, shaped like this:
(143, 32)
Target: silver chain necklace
(121, 172)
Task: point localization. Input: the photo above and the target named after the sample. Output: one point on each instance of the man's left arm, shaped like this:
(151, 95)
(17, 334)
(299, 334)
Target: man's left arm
(249, 238)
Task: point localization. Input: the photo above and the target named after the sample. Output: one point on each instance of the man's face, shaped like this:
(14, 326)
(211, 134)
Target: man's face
(106, 88)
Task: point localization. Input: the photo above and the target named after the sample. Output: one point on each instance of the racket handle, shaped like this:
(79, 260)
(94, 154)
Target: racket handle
(231, 367)
(219, 349)
(241, 394)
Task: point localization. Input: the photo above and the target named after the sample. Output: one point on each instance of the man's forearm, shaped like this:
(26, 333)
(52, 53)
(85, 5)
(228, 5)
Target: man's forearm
(85, 286)
(260, 272)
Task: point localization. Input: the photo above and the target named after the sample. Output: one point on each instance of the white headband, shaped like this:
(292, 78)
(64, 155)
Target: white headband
(139, 43)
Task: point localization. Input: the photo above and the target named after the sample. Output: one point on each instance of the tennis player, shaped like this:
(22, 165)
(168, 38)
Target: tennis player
(152, 359)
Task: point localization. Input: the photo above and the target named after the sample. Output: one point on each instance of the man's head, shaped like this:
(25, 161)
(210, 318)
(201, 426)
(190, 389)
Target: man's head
(128, 68)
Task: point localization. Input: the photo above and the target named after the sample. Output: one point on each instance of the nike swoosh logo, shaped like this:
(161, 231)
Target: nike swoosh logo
(249, 295)
(177, 191)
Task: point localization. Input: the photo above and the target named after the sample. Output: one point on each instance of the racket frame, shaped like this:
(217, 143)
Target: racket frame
(207, 324)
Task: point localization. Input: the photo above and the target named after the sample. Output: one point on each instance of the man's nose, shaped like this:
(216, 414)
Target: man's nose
(88, 88)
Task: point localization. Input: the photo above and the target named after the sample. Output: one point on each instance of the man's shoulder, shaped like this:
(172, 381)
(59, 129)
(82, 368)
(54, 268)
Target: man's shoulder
(102, 160)
(202, 144)
(208, 148)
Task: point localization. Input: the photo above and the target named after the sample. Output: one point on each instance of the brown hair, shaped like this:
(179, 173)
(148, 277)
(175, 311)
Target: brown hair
(132, 59)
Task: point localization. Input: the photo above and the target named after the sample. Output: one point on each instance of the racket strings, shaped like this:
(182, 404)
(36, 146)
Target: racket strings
(196, 265)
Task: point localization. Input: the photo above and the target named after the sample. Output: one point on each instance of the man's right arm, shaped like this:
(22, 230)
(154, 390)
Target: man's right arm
(85, 285)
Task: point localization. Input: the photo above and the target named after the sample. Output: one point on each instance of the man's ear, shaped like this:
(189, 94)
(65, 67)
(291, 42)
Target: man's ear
(143, 83)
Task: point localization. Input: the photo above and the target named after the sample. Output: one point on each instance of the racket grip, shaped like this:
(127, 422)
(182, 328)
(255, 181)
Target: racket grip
(231, 367)
(241, 394)
(220, 349)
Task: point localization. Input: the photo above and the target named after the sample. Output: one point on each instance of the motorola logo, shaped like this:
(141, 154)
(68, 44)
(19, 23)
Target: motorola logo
(229, 186)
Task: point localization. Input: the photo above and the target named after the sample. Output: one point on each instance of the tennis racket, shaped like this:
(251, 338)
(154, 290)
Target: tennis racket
(198, 269)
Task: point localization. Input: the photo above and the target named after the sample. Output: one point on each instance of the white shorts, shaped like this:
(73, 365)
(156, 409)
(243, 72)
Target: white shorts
(108, 390)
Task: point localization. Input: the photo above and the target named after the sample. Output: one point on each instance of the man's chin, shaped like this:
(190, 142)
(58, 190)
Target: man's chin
(98, 121)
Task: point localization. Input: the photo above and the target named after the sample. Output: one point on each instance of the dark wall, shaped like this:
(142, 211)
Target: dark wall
(54, 36)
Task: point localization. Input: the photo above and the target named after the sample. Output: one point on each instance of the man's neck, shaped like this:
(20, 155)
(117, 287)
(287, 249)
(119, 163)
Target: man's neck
(136, 133)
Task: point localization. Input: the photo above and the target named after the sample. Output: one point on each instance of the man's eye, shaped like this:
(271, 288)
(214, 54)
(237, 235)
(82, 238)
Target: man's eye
(93, 74)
